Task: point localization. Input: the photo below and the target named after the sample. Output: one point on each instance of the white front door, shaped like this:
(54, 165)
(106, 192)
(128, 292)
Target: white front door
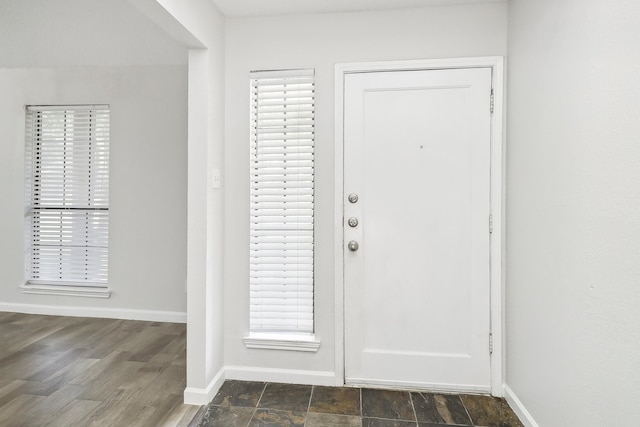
(417, 295)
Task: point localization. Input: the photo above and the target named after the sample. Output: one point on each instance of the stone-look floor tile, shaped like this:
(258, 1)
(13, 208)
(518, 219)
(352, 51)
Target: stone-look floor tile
(335, 400)
(226, 416)
(377, 422)
(426, 409)
(439, 409)
(239, 393)
(332, 420)
(487, 411)
(451, 409)
(390, 404)
(439, 425)
(276, 418)
(286, 397)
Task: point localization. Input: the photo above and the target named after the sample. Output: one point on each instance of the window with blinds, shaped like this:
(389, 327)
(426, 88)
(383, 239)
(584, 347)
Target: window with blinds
(281, 204)
(67, 185)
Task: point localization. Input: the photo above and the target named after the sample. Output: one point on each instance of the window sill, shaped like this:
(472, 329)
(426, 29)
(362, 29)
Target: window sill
(66, 290)
(290, 342)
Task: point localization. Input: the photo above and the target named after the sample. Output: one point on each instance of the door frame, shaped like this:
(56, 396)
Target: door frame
(497, 203)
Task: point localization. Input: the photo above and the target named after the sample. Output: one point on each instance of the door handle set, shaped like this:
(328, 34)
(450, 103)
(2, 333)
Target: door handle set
(353, 223)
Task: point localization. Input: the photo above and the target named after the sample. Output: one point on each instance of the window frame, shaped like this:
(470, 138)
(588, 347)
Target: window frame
(282, 188)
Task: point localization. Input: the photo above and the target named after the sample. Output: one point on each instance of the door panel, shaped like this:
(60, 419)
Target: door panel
(417, 150)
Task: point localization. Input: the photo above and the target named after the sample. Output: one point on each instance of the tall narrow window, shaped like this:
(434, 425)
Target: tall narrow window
(281, 205)
(67, 185)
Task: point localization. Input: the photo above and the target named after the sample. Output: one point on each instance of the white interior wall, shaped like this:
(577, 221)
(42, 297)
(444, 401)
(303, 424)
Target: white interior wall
(573, 209)
(147, 247)
(320, 41)
(63, 33)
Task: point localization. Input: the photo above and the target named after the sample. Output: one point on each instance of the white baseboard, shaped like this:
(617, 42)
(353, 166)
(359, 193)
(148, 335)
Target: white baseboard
(290, 376)
(202, 396)
(518, 407)
(109, 313)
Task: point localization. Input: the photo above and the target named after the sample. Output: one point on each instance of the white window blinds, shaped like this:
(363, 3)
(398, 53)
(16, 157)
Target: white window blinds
(281, 205)
(67, 185)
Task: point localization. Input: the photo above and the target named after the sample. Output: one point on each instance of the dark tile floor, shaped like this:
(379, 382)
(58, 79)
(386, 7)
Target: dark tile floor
(256, 404)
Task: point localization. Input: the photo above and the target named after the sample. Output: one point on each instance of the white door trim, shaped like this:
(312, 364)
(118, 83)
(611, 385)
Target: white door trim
(496, 63)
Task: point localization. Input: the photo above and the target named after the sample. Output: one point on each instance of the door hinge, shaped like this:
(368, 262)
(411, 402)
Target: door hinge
(490, 343)
(490, 223)
(491, 102)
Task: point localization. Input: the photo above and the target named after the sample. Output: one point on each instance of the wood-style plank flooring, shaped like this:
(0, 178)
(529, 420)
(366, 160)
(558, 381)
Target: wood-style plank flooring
(73, 371)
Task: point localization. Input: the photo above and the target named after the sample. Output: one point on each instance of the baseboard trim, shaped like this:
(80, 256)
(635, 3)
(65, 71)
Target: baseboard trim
(290, 376)
(518, 407)
(109, 313)
(202, 396)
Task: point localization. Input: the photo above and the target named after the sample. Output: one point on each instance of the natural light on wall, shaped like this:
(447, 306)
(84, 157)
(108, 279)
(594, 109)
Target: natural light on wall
(281, 209)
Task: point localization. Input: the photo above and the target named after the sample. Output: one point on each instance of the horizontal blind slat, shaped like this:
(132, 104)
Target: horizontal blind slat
(282, 201)
(67, 184)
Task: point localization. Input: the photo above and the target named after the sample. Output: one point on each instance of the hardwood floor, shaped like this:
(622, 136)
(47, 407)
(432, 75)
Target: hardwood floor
(72, 371)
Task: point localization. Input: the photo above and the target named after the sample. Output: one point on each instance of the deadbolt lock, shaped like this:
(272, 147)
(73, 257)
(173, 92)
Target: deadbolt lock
(353, 197)
(353, 222)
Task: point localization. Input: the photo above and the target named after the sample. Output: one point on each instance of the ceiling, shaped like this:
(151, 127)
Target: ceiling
(238, 8)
